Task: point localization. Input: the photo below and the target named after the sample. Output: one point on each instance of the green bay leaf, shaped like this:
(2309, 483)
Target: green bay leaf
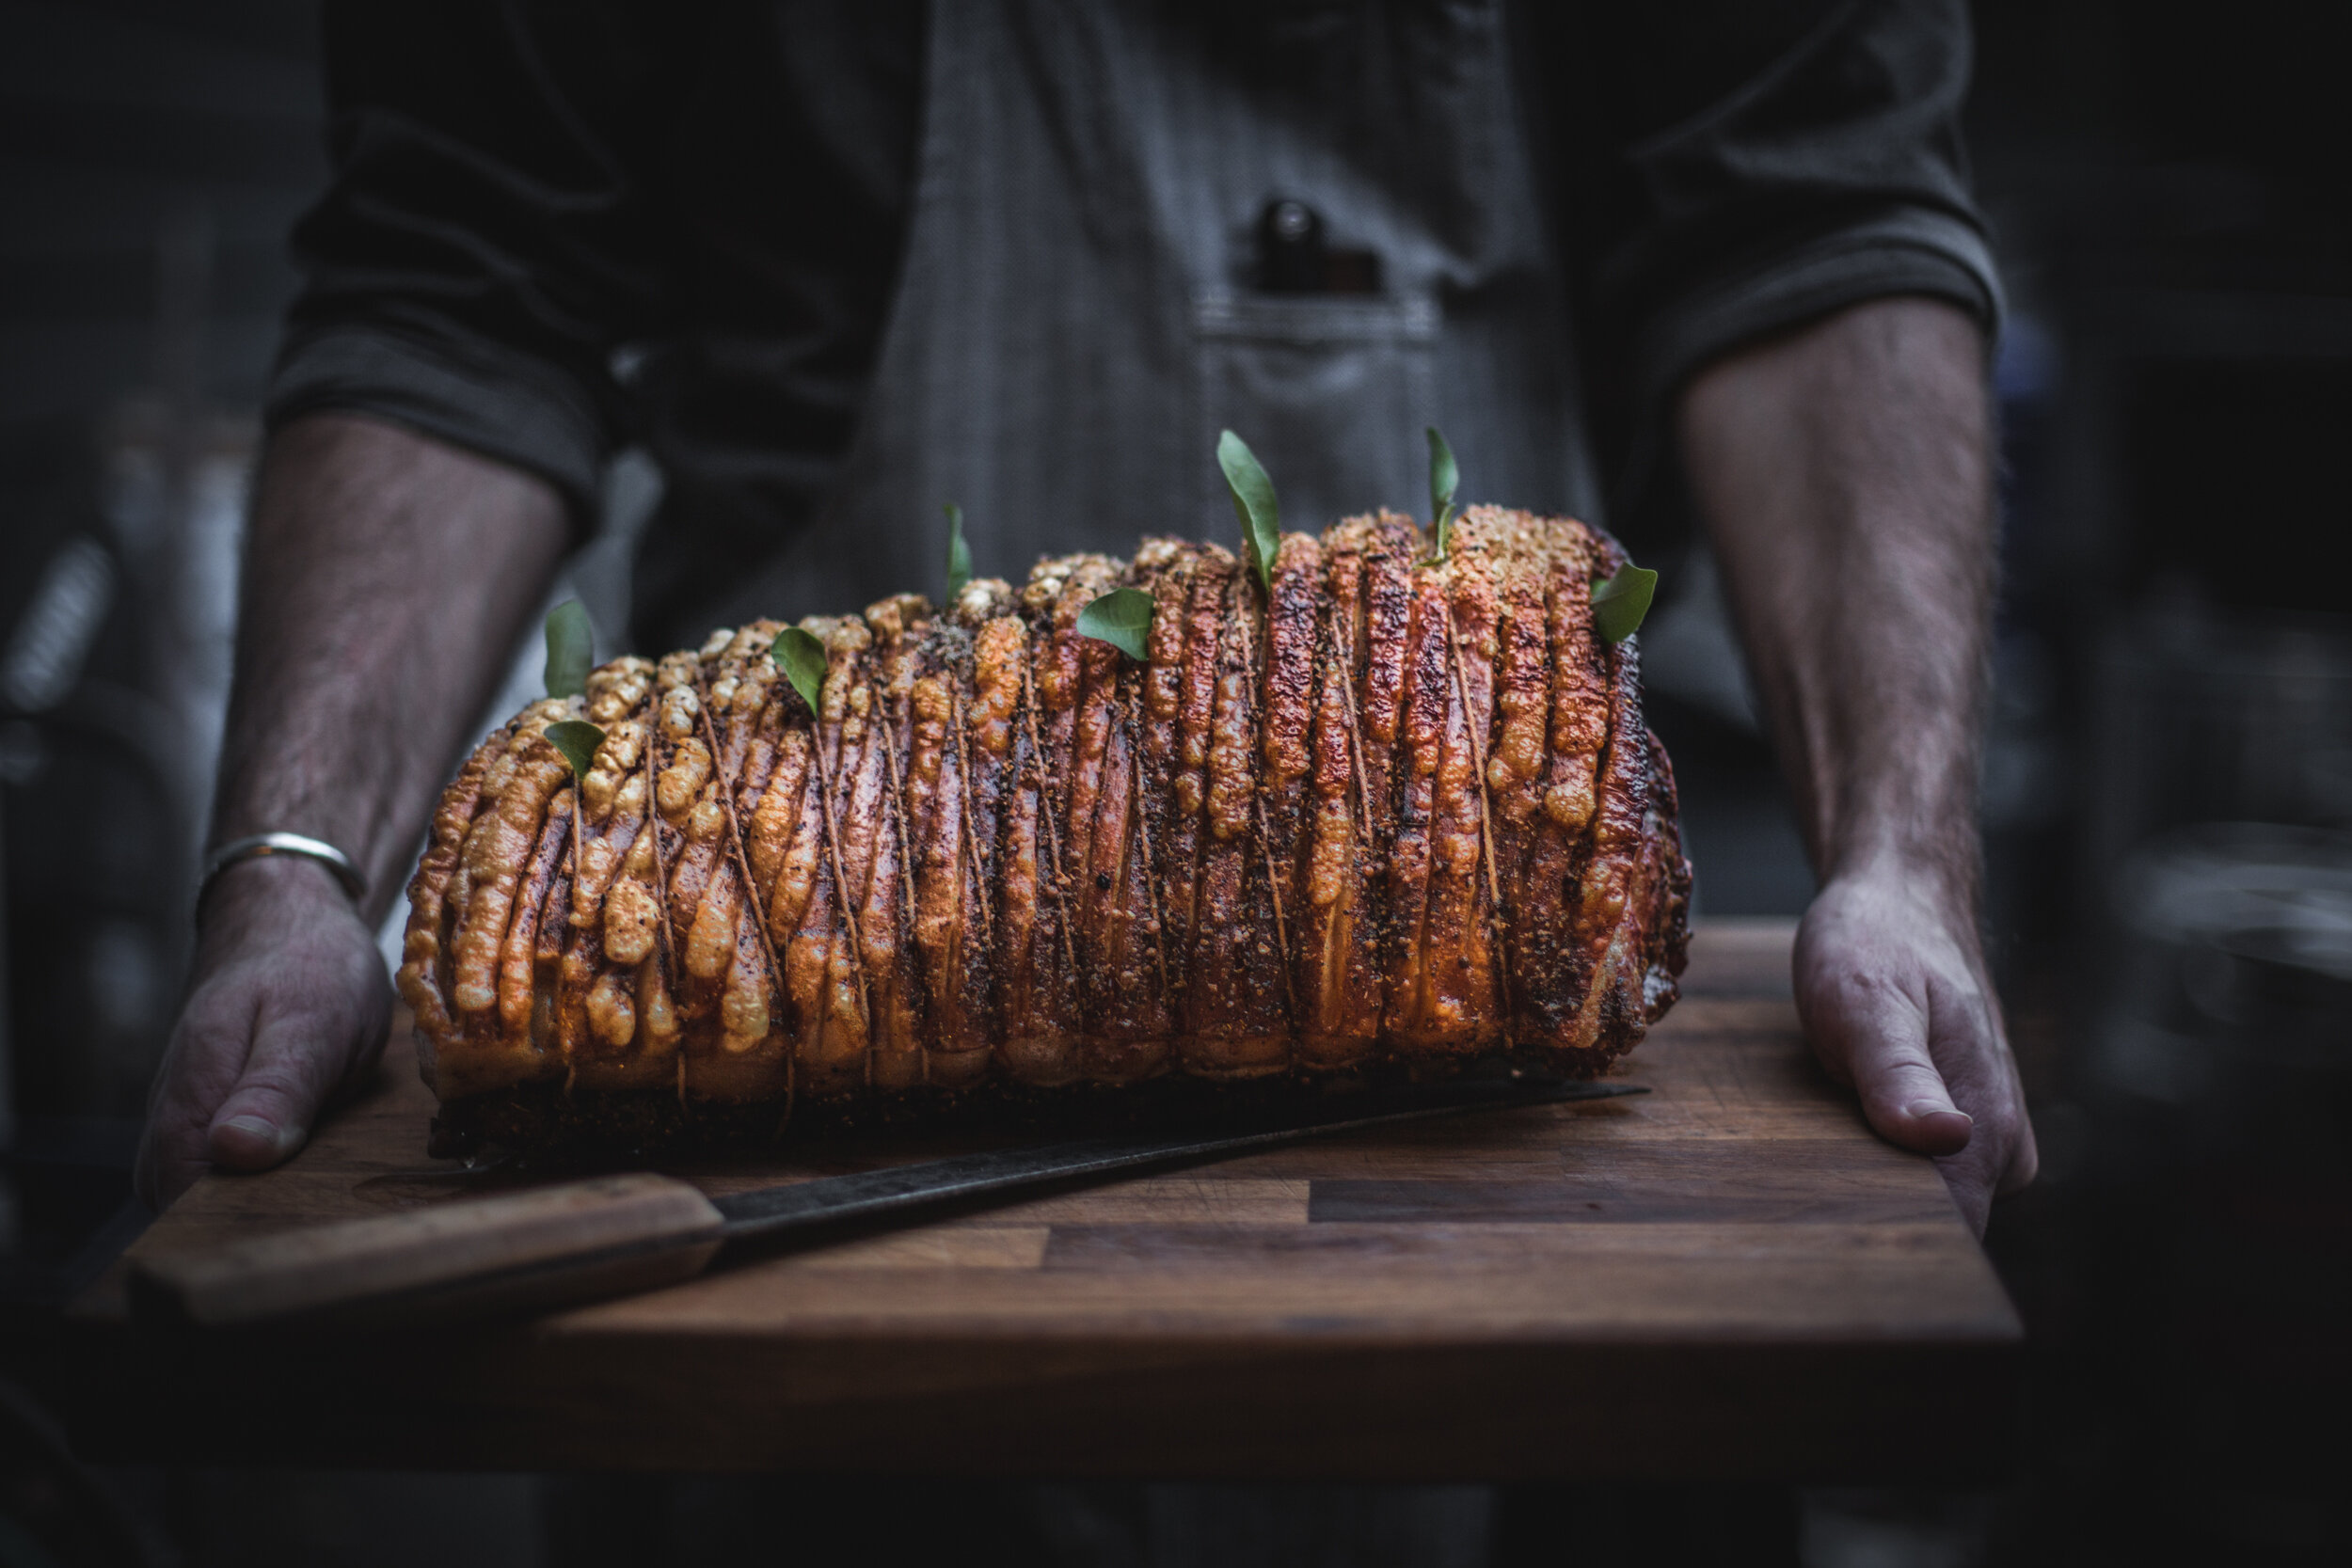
(958, 554)
(577, 739)
(1620, 602)
(1445, 476)
(1253, 503)
(1121, 618)
(571, 649)
(802, 658)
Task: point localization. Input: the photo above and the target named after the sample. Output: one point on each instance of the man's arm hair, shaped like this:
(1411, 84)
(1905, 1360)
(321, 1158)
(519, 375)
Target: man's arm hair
(1844, 470)
(386, 577)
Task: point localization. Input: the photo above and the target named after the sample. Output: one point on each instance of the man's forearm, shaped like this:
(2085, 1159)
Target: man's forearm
(386, 577)
(1844, 472)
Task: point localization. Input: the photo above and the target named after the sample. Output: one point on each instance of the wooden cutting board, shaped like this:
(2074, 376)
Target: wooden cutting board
(1728, 1276)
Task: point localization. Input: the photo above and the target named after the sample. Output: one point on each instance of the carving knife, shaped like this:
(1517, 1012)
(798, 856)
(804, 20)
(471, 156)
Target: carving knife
(615, 1235)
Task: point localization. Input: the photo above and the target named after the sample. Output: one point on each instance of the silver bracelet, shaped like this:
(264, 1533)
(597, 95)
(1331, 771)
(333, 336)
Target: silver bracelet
(256, 846)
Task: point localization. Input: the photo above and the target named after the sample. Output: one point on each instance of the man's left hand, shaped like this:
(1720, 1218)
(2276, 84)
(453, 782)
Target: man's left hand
(1893, 989)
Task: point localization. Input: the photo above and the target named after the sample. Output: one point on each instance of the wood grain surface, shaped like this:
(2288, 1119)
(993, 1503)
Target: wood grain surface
(1728, 1276)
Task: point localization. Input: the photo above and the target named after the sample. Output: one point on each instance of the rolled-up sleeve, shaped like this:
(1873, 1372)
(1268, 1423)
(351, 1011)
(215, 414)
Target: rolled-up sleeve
(483, 246)
(1754, 164)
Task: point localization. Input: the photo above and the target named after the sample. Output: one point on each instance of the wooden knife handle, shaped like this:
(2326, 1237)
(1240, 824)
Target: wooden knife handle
(578, 1242)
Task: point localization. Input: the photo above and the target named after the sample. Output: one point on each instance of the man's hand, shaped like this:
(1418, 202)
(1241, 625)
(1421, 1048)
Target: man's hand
(287, 1009)
(1845, 471)
(1896, 1000)
(385, 579)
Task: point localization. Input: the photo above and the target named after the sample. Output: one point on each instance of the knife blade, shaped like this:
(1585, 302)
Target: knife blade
(837, 1200)
(609, 1236)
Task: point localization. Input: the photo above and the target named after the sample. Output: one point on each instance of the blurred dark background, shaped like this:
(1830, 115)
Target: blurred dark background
(2167, 786)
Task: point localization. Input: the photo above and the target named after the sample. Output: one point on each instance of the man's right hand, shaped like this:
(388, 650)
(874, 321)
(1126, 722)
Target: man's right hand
(287, 1009)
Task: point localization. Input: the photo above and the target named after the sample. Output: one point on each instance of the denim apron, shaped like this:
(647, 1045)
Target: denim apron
(1080, 310)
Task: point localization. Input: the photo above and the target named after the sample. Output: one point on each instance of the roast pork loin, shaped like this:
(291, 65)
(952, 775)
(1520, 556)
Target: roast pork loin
(1405, 811)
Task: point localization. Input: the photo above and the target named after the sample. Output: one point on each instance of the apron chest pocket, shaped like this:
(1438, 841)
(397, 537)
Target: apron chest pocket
(1329, 391)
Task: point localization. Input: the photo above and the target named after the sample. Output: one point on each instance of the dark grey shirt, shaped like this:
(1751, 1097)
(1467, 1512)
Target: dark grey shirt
(557, 226)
